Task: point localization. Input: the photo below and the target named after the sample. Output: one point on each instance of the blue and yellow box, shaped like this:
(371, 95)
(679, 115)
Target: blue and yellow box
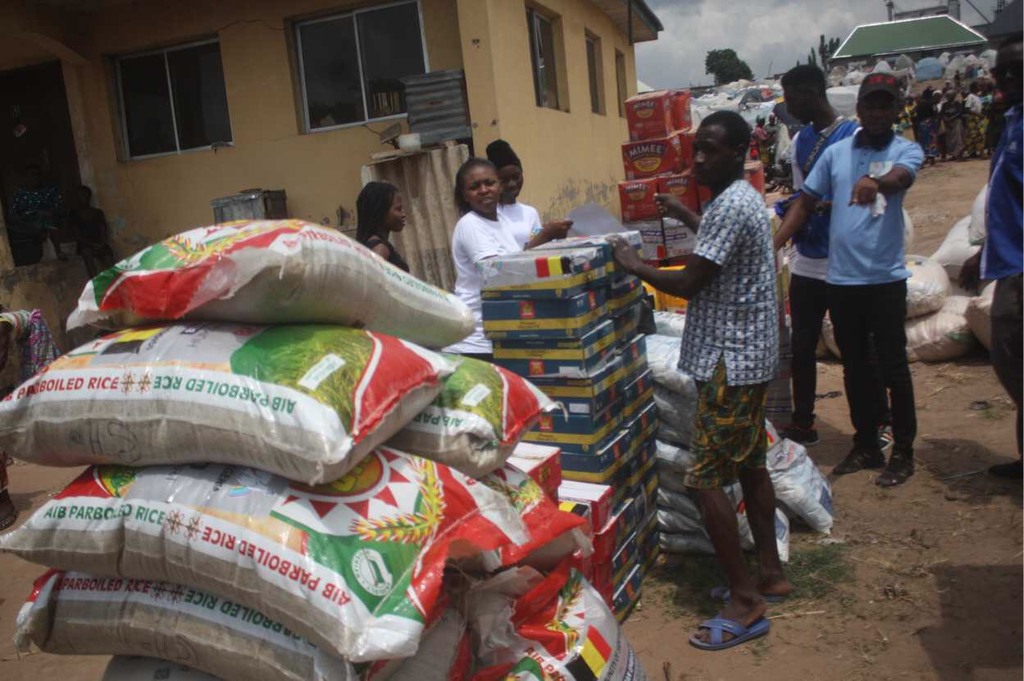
(567, 357)
(601, 389)
(600, 467)
(537, 319)
(575, 433)
(556, 273)
(627, 594)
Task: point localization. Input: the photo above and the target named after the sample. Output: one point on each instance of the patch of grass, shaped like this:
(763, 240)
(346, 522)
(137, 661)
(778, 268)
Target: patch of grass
(683, 585)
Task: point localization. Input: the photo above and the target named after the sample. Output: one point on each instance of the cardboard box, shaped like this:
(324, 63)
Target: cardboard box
(570, 358)
(596, 499)
(627, 595)
(753, 171)
(605, 541)
(683, 186)
(635, 392)
(637, 199)
(575, 434)
(653, 157)
(537, 275)
(682, 119)
(600, 241)
(592, 394)
(540, 462)
(624, 293)
(600, 467)
(649, 115)
(551, 318)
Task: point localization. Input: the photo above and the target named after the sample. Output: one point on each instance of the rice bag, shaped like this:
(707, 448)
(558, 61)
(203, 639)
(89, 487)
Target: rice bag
(354, 565)
(76, 613)
(560, 629)
(133, 668)
(800, 488)
(271, 272)
(305, 402)
(476, 421)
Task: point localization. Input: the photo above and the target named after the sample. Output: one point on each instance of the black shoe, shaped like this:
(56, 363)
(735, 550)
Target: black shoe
(808, 437)
(1008, 471)
(858, 459)
(897, 472)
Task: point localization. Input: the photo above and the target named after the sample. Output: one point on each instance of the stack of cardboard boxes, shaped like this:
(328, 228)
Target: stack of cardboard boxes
(563, 317)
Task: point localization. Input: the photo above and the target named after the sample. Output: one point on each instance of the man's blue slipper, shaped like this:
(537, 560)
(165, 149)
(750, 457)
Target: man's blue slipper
(741, 634)
(721, 593)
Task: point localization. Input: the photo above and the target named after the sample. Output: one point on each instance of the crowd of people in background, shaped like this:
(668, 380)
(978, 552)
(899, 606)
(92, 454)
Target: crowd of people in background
(956, 122)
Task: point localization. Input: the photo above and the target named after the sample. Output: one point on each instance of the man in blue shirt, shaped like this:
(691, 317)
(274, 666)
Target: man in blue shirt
(1002, 258)
(731, 347)
(868, 175)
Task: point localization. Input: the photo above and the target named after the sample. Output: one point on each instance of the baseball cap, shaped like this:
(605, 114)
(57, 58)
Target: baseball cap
(879, 82)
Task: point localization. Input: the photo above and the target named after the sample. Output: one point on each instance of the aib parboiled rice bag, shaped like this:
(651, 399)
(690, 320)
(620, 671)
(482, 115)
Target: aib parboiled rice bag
(306, 402)
(75, 613)
(271, 272)
(477, 420)
(355, 566)
(562, 630)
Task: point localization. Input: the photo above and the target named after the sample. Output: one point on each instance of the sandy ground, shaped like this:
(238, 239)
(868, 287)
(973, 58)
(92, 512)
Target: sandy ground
(932, 588)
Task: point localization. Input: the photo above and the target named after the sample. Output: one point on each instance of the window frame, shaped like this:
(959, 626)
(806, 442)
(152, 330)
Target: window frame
(125, 145)
(621, 87)
(534, 15)
(596, 97)
(300, 64)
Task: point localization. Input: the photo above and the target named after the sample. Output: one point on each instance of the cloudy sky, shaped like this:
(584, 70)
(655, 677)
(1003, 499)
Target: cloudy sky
(765, 33)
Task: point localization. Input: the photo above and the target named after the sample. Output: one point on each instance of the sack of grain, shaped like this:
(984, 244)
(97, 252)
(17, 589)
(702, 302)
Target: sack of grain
(663, 360)
(305, 402)
(355, 565)
(560, 624)
(979, 315)
(927, 286)
(677, 411)
(800, 488)
(132, 668)
(908, 232)
(476, 421)
(956, 248)
(943, 335)
(76, 613)
(978, 230)
(271, 272)
(685, 544)
(670, 324)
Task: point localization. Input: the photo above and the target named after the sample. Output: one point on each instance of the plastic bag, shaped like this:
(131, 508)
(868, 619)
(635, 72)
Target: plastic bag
(131, 668)
(663, 360)
(304, 402)
(927, 286)
(670, 324)
(941, 336)
(354, 565)
(677, 411)
(476, 421)
(979, 315)
(272, 272)
(956, 248)
(560, 628)
(800, 488)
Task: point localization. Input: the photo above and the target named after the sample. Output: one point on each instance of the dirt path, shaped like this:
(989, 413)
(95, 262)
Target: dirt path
(926, 583)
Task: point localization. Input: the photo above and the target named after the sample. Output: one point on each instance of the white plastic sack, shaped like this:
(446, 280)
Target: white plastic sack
(927, 286)
(979, 230)
(908, 232)
(941, 336)
(956, 65)
(843, 99)
(956, 248)
(670, 323)
(672, 463)
(677, 411)
(882, 67)
(800, 488)
(685, 544)
(130, 668)
(979, 315)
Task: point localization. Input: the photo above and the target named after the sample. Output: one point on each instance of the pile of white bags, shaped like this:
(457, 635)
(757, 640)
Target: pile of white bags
(979, 315)
(956, 249)
(943, 335)
(675, 391)
(927, 286)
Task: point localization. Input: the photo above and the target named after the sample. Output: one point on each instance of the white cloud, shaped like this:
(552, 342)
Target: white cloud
(765, 33)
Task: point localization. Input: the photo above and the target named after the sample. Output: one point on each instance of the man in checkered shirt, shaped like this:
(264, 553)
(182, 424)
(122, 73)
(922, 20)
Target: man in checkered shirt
(730, 346)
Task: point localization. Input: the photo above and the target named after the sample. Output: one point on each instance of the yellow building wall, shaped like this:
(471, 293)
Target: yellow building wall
(569, 157)
(148, 199)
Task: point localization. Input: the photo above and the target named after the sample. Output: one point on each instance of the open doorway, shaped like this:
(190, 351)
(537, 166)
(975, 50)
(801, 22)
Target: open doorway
(35, 140)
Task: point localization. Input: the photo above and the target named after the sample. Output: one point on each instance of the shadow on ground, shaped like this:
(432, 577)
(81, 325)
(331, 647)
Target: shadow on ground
(962, 466)
(981, 621)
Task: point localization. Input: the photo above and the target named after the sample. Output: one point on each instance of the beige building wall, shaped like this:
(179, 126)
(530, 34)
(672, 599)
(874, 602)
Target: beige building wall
(570, 157)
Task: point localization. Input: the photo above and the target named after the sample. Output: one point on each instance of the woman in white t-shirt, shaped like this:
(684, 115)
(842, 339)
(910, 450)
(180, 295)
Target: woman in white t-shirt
(526, 226)
(481, 233)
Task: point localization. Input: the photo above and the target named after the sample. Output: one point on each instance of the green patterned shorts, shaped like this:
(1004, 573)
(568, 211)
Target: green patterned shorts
(728, 432)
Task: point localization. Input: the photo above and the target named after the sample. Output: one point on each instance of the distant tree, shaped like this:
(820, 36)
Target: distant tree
(827, 49)
(726, 67)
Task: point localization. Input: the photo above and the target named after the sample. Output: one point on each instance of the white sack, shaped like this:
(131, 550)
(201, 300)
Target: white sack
(956, 248)
(979, 315)
(927, 286)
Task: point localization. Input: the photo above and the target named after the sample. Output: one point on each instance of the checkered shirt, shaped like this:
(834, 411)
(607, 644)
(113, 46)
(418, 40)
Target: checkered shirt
(736, 315)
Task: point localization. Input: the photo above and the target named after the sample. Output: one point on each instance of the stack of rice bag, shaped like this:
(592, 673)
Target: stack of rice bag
(566, 318)
(283, 481)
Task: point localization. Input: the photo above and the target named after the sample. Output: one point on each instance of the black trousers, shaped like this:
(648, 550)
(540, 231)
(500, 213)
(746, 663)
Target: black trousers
(871, 318)
(1008, 341)
(808, 303)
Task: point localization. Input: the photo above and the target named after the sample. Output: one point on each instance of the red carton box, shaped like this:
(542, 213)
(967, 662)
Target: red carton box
(598, 498)
(681, 118)
(543, 464)
(637, 199)
(683, 186)
(649, 115)
(661, 156)
(753, 171)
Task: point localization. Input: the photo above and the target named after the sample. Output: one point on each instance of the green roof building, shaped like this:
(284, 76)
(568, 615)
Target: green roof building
(916, 38)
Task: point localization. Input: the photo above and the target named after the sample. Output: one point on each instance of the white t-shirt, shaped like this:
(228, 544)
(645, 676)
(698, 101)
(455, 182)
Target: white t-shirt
(476, 238)
(525, 221)
(801, 265)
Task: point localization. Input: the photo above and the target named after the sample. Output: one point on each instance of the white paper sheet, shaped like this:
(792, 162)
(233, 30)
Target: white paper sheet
(591, 219)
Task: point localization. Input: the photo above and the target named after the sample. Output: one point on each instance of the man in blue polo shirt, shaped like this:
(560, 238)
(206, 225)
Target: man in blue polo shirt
(1002, 258)
(868, 175)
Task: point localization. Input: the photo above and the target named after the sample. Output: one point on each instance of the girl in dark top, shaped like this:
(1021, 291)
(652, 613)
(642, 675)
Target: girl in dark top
(89, 225)
(379, 213)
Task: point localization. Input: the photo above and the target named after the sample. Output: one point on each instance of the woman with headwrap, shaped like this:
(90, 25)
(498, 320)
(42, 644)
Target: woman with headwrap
(525, 221)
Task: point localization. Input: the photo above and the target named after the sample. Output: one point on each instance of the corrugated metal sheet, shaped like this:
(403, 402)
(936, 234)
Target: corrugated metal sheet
(437, 106)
